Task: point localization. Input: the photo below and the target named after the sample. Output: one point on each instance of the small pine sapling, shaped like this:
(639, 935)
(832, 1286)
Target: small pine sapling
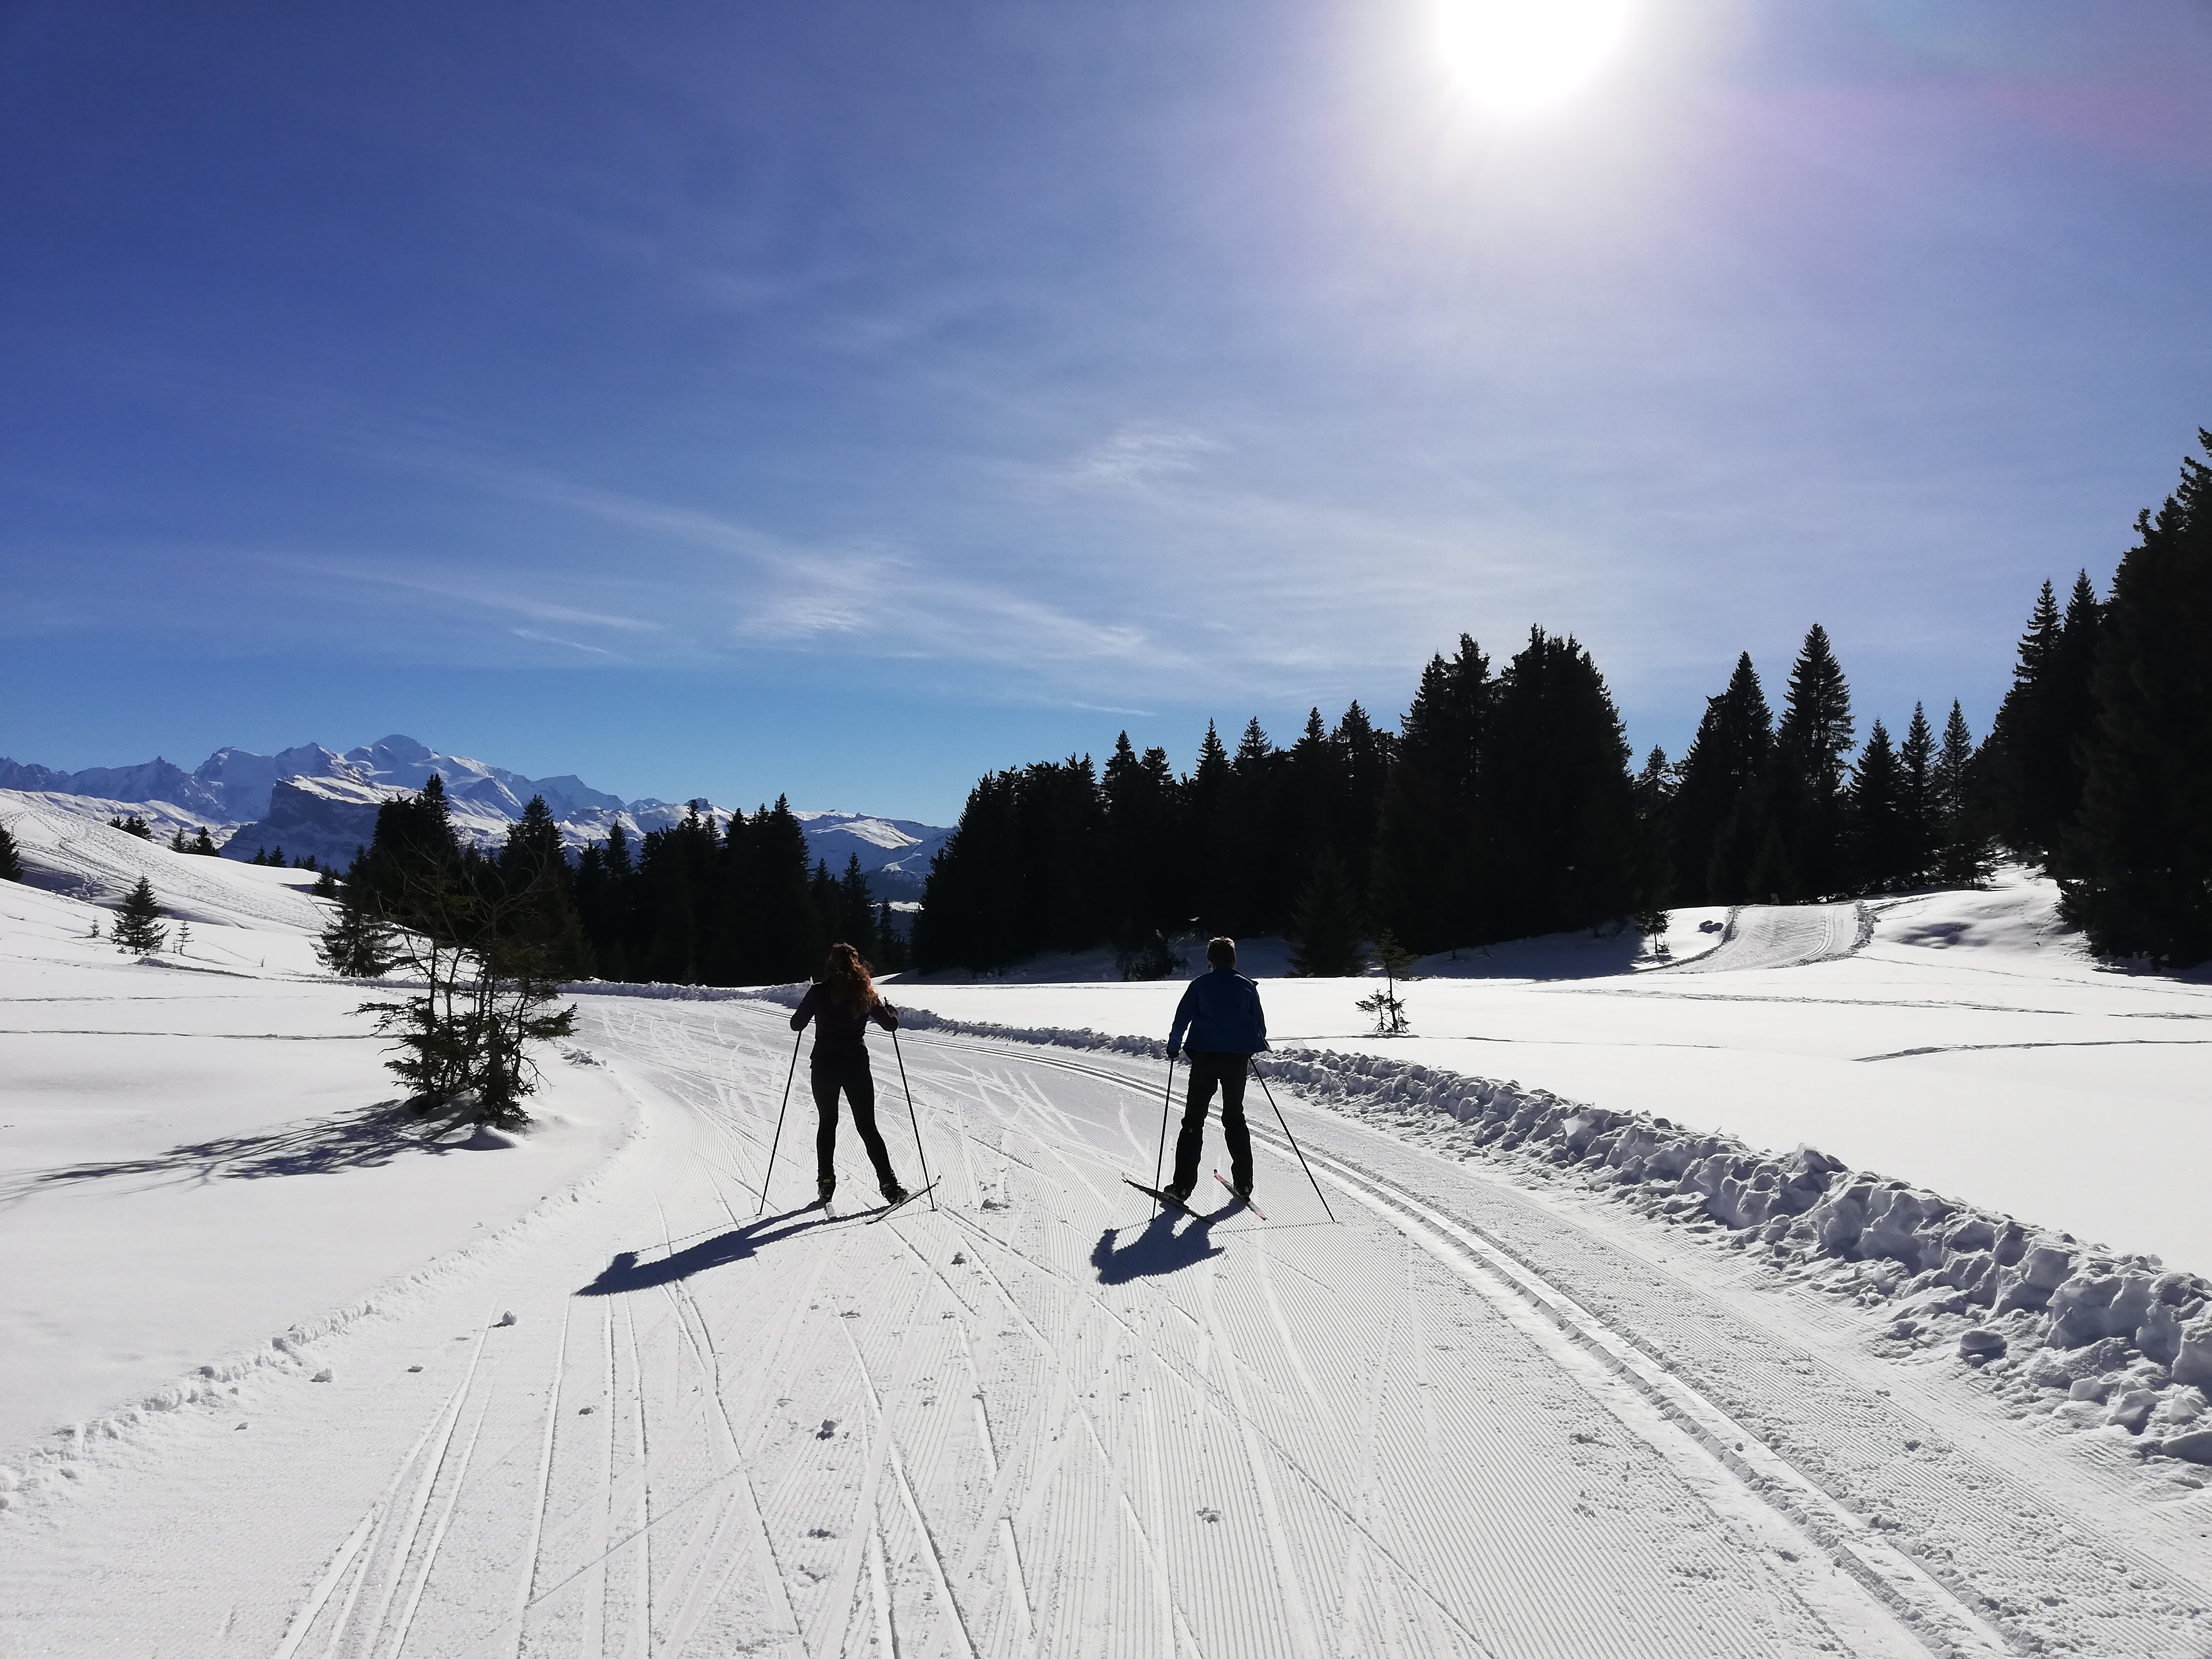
(176, 842)
(11, 860)
(1652, 921)
(1388, 1007)
(138, 929)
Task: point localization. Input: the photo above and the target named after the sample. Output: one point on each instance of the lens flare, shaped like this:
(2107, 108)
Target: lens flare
(1513, 56)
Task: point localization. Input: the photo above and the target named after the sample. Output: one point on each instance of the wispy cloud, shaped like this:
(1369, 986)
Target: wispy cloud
(572, 645)
(1140, 454)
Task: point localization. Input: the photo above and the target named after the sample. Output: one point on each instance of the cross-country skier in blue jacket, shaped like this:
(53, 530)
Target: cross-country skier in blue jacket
(1222, 1013)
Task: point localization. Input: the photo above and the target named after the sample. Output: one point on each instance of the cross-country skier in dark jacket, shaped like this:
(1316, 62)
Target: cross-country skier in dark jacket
(840, 1004)
(1221, 1012)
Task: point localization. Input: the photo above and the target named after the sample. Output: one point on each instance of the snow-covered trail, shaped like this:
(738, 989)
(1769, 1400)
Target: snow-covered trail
(1784, 936)
(1037, 1421)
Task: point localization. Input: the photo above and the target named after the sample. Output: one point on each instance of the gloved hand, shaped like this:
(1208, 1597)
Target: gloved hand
(1172, 1053)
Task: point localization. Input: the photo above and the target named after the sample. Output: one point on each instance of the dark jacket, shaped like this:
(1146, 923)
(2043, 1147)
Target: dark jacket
(839, 1033)
(1221, 1010)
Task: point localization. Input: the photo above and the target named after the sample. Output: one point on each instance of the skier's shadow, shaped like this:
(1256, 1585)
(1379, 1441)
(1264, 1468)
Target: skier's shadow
(626, 1273)
(1158, 1250)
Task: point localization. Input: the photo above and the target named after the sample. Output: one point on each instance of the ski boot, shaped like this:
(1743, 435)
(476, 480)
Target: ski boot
(825, 1190)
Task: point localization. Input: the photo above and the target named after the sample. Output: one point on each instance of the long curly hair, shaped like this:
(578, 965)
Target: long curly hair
(849, 979)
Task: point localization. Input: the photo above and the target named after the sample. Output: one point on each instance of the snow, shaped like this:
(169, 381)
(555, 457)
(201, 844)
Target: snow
(285, 1373)
(1972, 1045)
(196, 1149)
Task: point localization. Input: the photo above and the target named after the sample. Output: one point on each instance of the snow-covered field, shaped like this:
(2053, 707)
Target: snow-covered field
(1969, 1045)
(329, 1381)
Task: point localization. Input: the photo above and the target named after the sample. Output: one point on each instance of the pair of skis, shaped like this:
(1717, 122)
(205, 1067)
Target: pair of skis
(1161, 1195)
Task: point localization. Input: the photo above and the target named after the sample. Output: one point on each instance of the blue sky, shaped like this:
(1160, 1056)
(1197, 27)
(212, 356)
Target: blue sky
(843, 399)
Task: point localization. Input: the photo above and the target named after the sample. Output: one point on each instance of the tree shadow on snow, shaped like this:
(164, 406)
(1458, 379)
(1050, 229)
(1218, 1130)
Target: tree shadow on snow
(360, 1139)
(626, 1273)
(1158, 1250)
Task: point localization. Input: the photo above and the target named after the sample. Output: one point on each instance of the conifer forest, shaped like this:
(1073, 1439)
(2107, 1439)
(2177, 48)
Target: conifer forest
(1506, 803)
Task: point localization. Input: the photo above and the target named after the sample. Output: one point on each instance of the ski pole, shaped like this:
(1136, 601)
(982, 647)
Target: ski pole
(926, 1183)
(1288, 1136)
(779, 1111)
(1167, 1101)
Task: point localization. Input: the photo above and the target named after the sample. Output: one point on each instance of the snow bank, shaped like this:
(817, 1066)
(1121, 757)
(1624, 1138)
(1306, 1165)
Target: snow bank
(2118, 1339)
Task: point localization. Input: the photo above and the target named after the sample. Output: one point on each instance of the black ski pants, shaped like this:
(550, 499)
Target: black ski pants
(1208, 1072)
(852, 1076)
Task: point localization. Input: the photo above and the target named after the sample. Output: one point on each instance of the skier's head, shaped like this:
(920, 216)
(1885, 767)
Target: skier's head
(1221, 952)
(846, 977)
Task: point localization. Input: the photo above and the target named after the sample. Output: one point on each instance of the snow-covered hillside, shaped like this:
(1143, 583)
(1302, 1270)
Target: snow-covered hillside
(313, 802)
(284, 1372)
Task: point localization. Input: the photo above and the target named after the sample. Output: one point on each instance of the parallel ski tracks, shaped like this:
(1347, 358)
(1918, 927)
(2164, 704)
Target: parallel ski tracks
(668, 1520)
(1935, 1612)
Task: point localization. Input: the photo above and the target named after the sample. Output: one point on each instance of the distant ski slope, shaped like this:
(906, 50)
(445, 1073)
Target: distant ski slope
(70, 853)
(1784, 936)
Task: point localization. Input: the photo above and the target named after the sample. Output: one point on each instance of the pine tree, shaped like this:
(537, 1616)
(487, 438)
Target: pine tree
(1202, 794)
(1962, 846)
(1563, 849)
(1654, 795)
(177, 843)
(133, 825)
(1325, 929)
(891, 953)
(1720, 808)
(1429, 884)
(1244, 884)
(2030, 776)
(970, 914)
(788, 939)
(534, 866)
(856, 912)
(1881, 837)
(137, 930)
(1810, 746)
(204, 844)
(11, 857)
(1312, 804)
(1915, 763)
(1387, 1006)
(2141, 856)
(1366, 755)
(353, 944)
(1147, 888)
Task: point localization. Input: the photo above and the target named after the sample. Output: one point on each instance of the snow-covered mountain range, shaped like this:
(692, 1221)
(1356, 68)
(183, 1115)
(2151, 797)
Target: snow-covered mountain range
(311, 801)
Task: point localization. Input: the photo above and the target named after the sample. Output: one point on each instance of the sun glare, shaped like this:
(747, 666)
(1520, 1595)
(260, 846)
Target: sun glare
(1514, 56)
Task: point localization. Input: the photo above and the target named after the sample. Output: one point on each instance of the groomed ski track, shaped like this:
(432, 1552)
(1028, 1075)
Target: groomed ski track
(1783, 936)
(1039, 1421)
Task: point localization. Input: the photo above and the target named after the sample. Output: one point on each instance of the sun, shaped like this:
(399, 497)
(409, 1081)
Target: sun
(1514, 57)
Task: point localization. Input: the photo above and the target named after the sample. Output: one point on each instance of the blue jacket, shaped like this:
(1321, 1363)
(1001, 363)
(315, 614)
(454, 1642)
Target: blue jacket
(1221, 1010)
